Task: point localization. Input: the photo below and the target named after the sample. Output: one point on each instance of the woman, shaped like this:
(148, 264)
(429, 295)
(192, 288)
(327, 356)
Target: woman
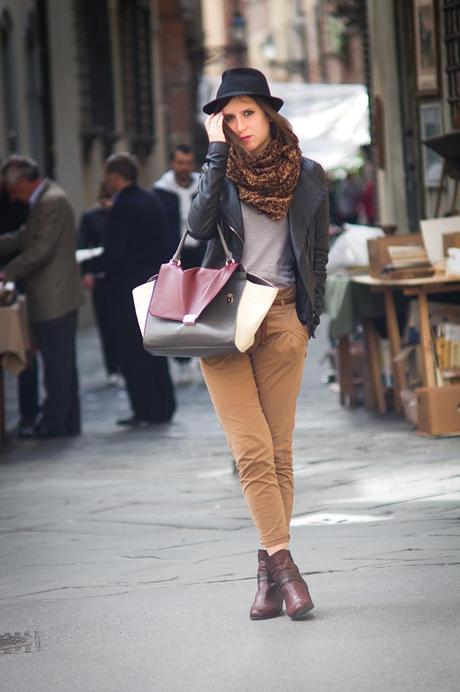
(272, 206)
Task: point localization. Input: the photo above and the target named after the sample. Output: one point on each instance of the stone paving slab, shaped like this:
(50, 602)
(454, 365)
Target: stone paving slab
(132, 555)
(376, 631)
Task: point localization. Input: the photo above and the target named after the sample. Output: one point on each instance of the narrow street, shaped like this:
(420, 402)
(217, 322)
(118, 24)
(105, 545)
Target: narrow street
(131, 554)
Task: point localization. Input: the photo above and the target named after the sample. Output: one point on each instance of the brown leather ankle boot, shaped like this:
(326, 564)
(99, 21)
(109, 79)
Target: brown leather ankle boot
(268, 602)
(291, 584)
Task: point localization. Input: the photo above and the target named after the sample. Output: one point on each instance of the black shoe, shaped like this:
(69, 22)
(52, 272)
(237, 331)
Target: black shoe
(26, 427)
(39, 434)
(26, 432)
(137, 422)
(134, 422)
(29, 429)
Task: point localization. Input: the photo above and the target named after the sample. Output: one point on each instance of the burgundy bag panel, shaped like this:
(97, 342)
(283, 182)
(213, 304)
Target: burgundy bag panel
(180, 292)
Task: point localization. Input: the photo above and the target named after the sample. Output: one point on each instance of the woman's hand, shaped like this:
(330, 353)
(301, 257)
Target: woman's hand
(214, 125)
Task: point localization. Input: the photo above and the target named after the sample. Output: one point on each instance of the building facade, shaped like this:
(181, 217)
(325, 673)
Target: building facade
(80, 79)
(405, 52)
(415, 64)
(308, 40)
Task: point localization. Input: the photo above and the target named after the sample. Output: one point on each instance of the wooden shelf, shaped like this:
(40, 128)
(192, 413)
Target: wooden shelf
(450, 373)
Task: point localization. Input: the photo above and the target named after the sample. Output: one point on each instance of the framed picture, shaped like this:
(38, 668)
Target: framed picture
(430, 126)
(426, 47)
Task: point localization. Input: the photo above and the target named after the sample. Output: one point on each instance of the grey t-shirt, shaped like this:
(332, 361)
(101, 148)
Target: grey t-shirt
(267, 250)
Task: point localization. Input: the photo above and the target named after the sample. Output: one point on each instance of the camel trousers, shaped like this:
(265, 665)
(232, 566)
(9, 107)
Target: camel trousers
(254, 395)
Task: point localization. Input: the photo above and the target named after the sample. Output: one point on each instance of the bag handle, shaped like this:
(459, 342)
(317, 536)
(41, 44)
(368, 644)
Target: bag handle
(228, 255)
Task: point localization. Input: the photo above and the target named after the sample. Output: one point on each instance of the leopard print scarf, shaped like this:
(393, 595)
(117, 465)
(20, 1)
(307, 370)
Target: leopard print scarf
(267, 182)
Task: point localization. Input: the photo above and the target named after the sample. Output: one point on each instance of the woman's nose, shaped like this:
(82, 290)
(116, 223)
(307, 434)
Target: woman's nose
(239, 124)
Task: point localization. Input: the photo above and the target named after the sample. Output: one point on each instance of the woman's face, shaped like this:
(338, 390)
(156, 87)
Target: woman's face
(246, 119)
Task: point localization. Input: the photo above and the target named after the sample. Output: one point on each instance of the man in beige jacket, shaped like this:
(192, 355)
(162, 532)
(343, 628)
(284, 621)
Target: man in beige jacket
(47, 267)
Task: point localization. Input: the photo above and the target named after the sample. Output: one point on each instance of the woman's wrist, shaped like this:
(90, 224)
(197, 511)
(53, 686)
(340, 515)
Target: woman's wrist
(214, 125)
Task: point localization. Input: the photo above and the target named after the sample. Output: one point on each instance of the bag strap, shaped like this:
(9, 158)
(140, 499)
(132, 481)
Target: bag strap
(228, 255)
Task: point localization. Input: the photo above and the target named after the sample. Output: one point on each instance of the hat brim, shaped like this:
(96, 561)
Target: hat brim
(275, 103)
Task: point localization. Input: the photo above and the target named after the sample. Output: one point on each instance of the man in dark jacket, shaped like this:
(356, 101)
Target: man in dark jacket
(136, 246)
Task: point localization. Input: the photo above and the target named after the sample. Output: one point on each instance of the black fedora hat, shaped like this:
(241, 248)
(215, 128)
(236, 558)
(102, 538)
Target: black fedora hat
(243, 81)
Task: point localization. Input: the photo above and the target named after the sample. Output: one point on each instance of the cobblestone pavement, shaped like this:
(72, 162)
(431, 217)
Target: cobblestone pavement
(131, 554)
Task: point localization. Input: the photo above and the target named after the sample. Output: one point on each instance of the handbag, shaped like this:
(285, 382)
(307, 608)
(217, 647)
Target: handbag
(201, 311)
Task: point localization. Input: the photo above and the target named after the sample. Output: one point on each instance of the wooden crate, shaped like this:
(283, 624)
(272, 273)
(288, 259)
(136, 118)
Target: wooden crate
(450, 240)
(438, 410)
(379, 257)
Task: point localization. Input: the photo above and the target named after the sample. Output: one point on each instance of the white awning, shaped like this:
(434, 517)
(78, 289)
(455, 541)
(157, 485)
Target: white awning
(330, 120)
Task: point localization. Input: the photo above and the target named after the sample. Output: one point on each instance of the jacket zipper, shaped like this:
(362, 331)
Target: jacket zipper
(307, 244)
(234, 231)
(237, 235)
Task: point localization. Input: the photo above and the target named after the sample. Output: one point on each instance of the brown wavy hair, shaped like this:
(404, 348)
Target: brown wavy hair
(280, 127)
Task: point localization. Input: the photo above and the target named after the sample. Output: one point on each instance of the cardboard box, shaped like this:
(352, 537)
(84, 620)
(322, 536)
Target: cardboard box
(450, 240)
(439, 410)
(381, 265)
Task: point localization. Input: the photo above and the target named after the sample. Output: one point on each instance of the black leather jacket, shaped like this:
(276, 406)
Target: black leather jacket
(217, 199)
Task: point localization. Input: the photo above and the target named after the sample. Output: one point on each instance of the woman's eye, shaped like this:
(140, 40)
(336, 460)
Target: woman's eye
(227, 118)
(248, 113)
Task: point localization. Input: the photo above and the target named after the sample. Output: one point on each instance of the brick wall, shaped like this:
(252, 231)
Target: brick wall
(177, 75)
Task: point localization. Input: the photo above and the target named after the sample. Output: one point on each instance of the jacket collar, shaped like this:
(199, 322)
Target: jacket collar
(125, 191)
(44, 187)
(38, 193)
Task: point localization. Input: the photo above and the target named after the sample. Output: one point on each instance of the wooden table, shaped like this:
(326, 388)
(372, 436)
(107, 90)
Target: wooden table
(14, 345)
(419, 288)
(348, 305)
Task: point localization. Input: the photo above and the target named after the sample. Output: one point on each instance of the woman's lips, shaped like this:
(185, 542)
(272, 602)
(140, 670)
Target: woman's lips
(245, 139)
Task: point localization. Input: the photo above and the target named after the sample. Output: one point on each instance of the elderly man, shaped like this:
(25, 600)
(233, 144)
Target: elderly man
(12, 216)
(45, 263)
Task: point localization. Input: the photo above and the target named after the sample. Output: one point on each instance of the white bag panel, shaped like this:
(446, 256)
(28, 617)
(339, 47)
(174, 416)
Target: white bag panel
(255, 302)
(141, 296)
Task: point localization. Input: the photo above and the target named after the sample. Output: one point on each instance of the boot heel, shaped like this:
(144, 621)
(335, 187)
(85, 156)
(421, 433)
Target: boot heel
(303, 612)
(291, 584)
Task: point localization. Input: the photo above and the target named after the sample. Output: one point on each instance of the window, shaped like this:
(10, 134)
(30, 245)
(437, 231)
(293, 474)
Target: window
(136, 56)
(8, 83)
(35, 95)
(452, 40)
(97, 116)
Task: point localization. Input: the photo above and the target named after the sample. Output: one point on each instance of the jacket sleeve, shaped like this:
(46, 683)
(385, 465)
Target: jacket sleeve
(170, 204)
(11, 242)
(204, 210)
(39, 247)
(84, 239)
(115, 248)
(321, 252)
(162, 239)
